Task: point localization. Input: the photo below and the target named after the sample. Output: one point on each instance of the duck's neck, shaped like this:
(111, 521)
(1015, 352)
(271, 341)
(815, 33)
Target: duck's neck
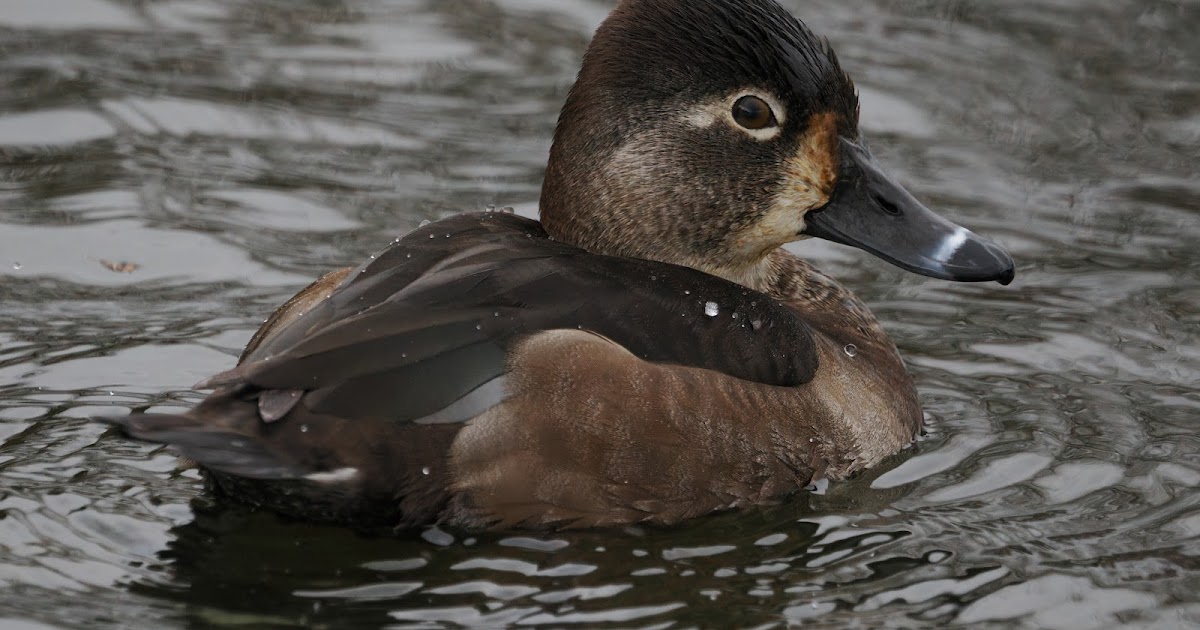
(826, 304)
(615, 211)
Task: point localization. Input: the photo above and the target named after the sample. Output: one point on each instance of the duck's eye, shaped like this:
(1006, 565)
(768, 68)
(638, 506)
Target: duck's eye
(752, 112)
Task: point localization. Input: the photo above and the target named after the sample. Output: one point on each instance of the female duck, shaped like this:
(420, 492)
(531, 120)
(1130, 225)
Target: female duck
(646, 353)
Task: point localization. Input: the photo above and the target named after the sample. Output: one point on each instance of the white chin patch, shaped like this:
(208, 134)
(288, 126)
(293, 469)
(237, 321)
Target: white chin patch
(950, 245)
(340, 475)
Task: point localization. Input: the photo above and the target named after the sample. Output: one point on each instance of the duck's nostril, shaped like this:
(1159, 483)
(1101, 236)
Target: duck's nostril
(888, 206)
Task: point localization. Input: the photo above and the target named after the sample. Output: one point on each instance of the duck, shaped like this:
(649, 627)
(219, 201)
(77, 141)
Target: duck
(645, 353)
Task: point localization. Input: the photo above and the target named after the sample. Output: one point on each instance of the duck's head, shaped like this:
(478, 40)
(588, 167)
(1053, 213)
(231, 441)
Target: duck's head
(707, 133)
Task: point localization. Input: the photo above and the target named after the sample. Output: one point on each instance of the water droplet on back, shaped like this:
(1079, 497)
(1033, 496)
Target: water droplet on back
(851, 350)
(711, 309)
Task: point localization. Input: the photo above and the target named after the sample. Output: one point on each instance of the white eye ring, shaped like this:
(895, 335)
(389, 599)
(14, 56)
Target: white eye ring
(764, 134)
(705, 115)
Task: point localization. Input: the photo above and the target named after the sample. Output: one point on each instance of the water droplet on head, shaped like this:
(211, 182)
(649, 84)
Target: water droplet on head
(490, 208)
(756, 324)
(425, 222)
(851, 350)
(304, 428)
(408, 255)
(478, 326)
(425, 470)
(686, 292)
(734, 315)
(711, 309)
(431, 236)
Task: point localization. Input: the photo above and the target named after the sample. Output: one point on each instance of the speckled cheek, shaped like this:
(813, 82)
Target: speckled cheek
(811, 173)
(808, 178)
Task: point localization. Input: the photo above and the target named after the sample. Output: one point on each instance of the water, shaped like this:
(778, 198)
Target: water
(172, 170)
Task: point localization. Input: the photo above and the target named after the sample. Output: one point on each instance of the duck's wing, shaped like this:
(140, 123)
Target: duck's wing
(430, 319)
(369, 374)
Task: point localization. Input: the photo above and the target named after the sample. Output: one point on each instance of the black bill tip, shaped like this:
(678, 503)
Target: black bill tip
(966, 257)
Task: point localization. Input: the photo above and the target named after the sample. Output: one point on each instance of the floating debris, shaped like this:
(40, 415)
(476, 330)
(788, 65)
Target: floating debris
(118, 267)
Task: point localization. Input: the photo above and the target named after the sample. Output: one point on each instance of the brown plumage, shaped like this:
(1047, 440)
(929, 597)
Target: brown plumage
(646, 353)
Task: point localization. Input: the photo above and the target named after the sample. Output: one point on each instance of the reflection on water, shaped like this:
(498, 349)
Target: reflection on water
(171, 170)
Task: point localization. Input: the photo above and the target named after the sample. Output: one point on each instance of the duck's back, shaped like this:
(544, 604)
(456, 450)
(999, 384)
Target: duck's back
(352, 409)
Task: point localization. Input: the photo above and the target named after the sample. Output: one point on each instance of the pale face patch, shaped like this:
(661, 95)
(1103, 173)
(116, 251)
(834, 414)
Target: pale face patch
(811, 174)
(706, 114)
(809, 177)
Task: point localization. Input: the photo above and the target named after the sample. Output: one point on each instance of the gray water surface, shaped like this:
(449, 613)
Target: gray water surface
(172, 170)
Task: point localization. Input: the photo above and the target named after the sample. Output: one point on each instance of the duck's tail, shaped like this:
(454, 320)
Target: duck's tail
(221, 449)
(308, 466)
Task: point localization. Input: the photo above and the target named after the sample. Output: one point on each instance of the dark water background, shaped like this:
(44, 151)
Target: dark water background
(234, 150)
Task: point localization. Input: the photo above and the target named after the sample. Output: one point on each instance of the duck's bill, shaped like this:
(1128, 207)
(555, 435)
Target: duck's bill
(872, 212)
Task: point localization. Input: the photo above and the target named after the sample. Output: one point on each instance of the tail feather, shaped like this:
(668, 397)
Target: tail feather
(324, 468)
(213, 447)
